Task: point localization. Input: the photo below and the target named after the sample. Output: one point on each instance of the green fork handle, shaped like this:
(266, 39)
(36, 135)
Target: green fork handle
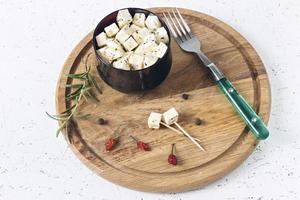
(252, 120)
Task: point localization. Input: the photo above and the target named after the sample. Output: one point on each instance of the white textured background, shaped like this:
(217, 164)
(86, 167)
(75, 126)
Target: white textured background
(36, 38)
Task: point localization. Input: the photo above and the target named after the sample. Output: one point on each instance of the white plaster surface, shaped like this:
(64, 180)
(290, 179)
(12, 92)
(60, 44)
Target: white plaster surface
(35, 39)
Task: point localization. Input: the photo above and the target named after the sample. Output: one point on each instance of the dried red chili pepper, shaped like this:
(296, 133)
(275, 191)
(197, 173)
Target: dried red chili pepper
(141, 145)
(112, 142)
(172, 159)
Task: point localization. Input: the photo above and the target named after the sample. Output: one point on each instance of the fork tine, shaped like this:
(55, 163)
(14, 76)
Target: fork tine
(180, 26)
(176, 27)
(170, 26)
(187, 28)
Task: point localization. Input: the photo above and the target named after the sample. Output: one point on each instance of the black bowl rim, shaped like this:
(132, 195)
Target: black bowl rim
(95, 45)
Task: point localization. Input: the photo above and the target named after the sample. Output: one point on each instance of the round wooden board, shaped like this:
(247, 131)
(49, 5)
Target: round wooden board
(224, 136)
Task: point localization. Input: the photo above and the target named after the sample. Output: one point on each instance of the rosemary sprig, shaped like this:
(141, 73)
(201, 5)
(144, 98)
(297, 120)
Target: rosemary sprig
(81, 91)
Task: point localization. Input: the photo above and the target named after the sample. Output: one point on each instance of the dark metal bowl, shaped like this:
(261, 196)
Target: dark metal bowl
(135, 80)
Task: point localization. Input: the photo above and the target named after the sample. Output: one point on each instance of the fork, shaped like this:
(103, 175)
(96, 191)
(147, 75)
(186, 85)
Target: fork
(187, 41)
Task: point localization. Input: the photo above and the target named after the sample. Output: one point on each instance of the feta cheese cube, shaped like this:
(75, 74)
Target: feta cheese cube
(140, 35)
(139, 19)
(159, 50)
(154, 120)
(140, 50)
(111, 30)
(102, 53)
(130, 44)
(152, 22)
(110, 54)
(114, 44)
(123, 62)
(124, 17)
(101, 39)
(161, 35)
(124, 34)
(136, 61)
(135, 27)
(149, 47)
(170, 116)
(149, 60)
(149, 38)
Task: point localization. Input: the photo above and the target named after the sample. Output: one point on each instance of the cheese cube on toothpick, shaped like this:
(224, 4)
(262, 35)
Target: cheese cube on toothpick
(170, 116)
(154, 120)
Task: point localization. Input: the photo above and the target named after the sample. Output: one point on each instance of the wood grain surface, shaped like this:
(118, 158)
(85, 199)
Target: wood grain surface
(223, 134)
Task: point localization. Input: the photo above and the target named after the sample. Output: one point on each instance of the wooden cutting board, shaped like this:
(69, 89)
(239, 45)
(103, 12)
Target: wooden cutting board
(223, 134)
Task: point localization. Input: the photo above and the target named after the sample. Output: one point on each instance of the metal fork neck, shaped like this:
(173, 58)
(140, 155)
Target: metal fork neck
(215, 71)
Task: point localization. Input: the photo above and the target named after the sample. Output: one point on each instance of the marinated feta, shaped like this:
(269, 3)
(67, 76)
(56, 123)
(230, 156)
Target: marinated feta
(124, 34)
(101, 39)
(139, 19)
(152, 22)
(161, 35)
(133, 43)
(136, 61)
(111, 30)
(149, 60)
(159, 50)
(124, 17)
(130, 44)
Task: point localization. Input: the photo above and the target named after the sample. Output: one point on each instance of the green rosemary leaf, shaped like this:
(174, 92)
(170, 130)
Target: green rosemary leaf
(53, 117)
(73, 85)
(60, 129)
(68, 110)
(91, 96)
(94, 83)
(74, 94)
(82, 116)
(76, 76)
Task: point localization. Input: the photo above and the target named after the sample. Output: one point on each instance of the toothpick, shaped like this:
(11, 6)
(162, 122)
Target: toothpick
(177, 131)
(189, 136)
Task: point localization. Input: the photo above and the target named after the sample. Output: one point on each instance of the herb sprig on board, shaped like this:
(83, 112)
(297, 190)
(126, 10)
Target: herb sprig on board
(79, 91)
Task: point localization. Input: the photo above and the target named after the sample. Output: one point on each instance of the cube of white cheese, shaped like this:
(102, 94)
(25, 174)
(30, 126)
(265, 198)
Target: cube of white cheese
(101, 39)
(149, 46)
(149, 60)
(124, 17)
(123, 62)
(161, 35)
(103, 54)
(124, 34)
(159, 50)
(139, 19)
(110, 54)
(170, 116)
(114, 44)
(154, 120)
(140, 50)
(135, 27)
(136, 61)
(140, 35)
(152, 22)
(130, 44)
(149, 38)
(111, 30)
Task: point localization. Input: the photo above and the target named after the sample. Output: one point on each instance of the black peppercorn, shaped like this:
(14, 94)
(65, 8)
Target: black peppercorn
(101, 121)
(198, 121)
(185, 96)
